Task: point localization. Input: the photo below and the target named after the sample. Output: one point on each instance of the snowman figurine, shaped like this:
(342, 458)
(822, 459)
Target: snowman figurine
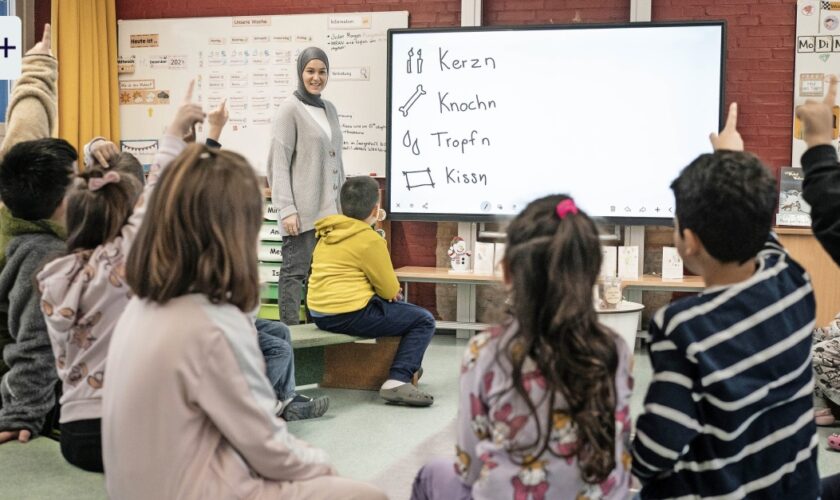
(459, 256)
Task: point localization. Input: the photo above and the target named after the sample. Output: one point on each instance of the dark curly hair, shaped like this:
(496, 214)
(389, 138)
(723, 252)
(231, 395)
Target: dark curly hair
(727, 199)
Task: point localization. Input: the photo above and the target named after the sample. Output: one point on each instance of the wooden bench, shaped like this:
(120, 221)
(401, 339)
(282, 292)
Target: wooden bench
(36, 470)
(349, 362)
(309, 335)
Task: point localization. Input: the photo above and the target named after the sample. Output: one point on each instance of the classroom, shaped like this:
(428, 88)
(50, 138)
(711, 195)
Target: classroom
(420, 250)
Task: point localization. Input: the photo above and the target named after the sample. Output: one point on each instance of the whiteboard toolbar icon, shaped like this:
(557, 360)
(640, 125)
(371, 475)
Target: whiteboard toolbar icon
(10, 47)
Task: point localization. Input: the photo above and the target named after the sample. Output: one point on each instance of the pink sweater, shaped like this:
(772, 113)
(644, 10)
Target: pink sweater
(188, 410)
(83, 296)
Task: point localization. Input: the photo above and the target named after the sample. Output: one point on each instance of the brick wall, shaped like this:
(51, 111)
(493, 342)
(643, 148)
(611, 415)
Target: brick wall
(504, 12)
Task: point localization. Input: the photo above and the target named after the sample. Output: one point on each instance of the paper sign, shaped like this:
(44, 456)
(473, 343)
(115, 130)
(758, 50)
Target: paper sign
(498, 256)
(483, 263)
(147, 40)
(628, 263)
(672, 264)
(609, 263)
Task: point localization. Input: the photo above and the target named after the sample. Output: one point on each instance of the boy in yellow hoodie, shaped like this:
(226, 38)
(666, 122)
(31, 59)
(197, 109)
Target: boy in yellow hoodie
(353, 289)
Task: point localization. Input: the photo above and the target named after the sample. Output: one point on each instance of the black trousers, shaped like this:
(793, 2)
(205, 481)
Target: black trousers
(81, 444)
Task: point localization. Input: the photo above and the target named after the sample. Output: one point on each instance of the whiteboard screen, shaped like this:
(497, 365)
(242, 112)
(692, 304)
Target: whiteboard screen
(483, 121)
(251, 62)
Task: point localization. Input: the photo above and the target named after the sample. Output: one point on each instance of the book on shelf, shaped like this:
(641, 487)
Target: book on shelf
(793, 209)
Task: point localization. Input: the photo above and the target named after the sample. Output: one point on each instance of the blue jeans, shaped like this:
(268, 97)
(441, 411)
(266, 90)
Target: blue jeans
(294, 272)
(389, 319)
(274, 338)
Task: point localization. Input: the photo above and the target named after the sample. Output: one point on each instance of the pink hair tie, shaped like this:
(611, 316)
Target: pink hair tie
(566, 207)
(96, 183)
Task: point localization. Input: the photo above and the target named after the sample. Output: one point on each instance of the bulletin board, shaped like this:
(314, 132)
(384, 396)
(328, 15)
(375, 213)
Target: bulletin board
(251, 62)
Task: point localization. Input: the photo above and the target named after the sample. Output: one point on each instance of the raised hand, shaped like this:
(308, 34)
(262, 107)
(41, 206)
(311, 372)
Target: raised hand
(187, 116)
(216, 121)
(44, 47)
(103, 151)
(817, 117)
(729, 138)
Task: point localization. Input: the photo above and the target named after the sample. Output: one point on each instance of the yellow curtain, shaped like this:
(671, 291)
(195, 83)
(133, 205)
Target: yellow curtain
(85, 42)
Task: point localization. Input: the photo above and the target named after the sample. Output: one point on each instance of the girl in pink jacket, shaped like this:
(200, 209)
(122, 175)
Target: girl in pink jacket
(188, 412)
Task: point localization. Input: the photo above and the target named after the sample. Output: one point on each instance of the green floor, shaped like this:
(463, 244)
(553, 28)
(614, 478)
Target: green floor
(367, 439)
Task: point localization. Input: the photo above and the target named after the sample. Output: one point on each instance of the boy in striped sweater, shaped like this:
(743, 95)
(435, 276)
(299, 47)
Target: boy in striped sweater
(729, 412)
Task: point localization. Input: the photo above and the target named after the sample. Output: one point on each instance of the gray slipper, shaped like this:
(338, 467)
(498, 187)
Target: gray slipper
(407, 394)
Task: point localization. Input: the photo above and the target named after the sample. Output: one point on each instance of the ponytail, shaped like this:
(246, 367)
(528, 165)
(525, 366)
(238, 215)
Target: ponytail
(99, 204)
(553, 259)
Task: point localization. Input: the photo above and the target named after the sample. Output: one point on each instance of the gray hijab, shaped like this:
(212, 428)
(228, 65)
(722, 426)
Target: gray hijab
(301, 93)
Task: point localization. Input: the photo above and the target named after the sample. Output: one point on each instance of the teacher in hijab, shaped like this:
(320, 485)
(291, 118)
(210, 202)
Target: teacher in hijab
(305, 173)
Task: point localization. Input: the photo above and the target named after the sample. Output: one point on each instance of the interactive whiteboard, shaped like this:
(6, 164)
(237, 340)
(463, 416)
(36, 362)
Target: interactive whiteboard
(483, 121)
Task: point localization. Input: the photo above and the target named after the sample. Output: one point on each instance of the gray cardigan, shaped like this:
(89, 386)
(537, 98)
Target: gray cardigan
(304, 166)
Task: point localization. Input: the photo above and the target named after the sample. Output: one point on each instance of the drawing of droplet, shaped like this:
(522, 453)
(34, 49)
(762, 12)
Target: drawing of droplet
(407, 139)
(415, 148)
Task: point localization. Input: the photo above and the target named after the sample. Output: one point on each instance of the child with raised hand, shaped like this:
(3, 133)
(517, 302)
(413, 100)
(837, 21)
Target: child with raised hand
(84, 292)
(821, 187)
(188, 412)
(729, 412)
(544, 409)
(274, 337)
(34, 175)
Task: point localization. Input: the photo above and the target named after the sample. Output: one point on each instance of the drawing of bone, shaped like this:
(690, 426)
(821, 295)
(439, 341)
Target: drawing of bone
(411, 100)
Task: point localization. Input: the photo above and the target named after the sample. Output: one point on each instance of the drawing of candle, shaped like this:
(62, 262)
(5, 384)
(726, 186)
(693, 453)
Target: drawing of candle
(408, 63)
(419, 61)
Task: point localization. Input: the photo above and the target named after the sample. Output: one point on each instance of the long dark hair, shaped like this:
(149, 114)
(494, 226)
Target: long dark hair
(552, 265)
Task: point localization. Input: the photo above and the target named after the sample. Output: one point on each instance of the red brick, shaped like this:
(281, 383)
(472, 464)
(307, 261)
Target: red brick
(747, 20)
(762, 9)
(515, 16)
(727, 10)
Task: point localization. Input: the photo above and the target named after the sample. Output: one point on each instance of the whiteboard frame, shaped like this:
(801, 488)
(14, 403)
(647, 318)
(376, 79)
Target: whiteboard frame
(443, 217)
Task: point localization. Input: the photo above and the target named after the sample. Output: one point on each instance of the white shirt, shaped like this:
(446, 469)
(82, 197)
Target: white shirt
(320, 116)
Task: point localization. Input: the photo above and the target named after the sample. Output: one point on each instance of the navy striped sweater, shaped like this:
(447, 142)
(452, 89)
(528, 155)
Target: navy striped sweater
(729, 412)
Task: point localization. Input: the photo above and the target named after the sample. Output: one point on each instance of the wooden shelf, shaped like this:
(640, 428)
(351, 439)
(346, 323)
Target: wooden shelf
(799, 231)
(421, 274)
(443, 275)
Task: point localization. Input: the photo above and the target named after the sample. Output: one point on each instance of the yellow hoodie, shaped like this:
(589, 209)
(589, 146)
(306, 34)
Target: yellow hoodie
(349, 265)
